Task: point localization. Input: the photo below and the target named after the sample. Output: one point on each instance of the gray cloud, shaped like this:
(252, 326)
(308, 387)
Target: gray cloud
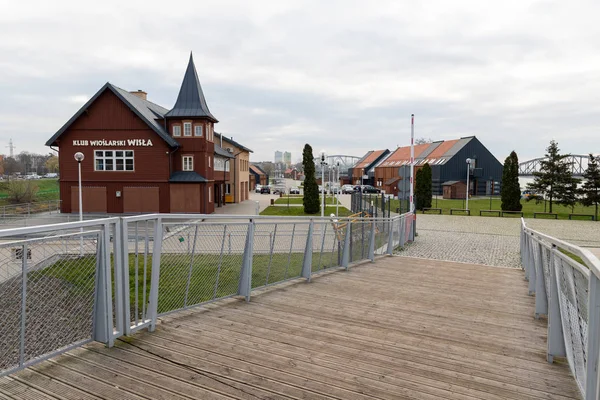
(338, 74)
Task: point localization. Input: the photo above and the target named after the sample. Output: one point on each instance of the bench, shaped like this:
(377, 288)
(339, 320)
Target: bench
(591, 216)
(452, 210)
(439, 210)
(555, 215)
(512, 212)
(490, 211)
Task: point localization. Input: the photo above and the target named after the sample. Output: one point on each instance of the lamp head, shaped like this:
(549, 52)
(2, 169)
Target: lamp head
(79, 156)
(468, 161)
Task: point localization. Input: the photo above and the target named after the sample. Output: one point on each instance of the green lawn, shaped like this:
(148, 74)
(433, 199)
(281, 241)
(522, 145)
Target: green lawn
(295, 199)
(299, 211)
(484, 204)
(175, 269)
(48, 189)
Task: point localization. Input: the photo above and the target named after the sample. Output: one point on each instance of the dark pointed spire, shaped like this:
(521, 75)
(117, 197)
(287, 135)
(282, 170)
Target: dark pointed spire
(191, 101)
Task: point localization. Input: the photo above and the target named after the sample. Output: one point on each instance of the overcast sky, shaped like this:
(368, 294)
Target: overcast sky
(341, 75)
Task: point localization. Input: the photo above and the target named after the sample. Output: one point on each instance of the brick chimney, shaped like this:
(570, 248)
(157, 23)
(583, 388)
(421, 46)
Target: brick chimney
(140, 93)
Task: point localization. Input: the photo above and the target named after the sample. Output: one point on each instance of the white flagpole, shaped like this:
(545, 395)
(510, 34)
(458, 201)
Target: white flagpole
(412, 162)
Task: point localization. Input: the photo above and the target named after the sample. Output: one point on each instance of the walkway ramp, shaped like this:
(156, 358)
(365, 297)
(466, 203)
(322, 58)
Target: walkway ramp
(399, 328)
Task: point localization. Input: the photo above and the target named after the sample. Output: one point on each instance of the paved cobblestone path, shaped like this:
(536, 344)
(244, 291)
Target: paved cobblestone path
(489, 240)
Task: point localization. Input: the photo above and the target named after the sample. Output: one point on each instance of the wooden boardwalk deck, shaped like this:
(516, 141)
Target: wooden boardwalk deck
(401, 328)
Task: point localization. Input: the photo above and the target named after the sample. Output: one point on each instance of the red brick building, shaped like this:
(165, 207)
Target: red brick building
(139, 156)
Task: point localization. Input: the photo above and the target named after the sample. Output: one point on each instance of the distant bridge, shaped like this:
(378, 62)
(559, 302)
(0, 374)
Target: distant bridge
(578, 164)
(345, 162)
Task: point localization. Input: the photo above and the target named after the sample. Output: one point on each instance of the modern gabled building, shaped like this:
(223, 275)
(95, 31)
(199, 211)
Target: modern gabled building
(257, 177)
(363, 172)
(141, 157)
(448, 163)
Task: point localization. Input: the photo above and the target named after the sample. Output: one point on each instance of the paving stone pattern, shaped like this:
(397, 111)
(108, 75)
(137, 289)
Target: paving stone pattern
(488, 240)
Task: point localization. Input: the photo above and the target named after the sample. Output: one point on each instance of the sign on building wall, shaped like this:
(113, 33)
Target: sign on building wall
(112, 143)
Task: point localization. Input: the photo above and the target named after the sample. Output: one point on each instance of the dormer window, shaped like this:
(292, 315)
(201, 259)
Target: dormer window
(187, 129)
(198, 130)
(176, 130)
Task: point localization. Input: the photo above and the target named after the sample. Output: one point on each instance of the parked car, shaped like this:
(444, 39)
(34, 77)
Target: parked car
(265, 189)
(347, 189)
(257, 189)
(367, 189)
(33, 177)
(294, 190)
(51, 175)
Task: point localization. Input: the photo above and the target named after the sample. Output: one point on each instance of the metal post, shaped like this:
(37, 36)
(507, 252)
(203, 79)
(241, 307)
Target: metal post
(372, 242)
(125, 276)
(556, 340)
(402, 230)
(23, 304)
(155, 275)
(308, 253)
(541, 299)
(80, 206)
(467, 192)
(346, 251)
(390, 245)
(593, 344)
(532, 271)
(103, 300)
(290, 253)
(118, 276)
(245, 284)
(412, 161)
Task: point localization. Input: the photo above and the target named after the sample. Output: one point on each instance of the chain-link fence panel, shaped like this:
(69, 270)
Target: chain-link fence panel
(139, 246)
(278, 252)
(328, 239)
(199, 262)
(572, 295)
(47, 294)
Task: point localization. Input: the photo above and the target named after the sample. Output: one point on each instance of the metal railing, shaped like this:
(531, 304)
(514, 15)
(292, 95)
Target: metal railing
(175, 262)
(55, 291)
(568, 293)
(64, 285)
(15, 210)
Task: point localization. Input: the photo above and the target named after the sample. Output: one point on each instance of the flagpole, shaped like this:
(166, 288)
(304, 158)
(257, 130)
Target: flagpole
(412, 161)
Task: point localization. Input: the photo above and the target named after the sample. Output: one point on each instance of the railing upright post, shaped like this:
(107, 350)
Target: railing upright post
(541, 298)
(402, 230)
(119, 277)
(556, 341)
(245, 283)
(372, 242)
(390, 244)
(592, 390)
(308, 253)
(155, 275)
(532, 271)
(103, 318)
(346, 251)
(23, 304)
(125, 275)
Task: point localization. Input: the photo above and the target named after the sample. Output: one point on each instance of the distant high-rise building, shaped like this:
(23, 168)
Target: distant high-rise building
(278, 156)
(287, 158)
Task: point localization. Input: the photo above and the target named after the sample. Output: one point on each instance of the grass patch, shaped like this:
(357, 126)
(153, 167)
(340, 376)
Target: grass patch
(572, 256)
(297, 199)
(475, 205)
(299, 211)
(48, 189)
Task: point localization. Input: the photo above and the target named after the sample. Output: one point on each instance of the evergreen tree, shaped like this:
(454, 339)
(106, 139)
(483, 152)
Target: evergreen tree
(554, 176)
(591, 187)
(423, 192)
(510, 193)
(311, 202)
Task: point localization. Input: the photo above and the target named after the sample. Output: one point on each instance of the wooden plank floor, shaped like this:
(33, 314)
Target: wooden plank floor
(401, 328)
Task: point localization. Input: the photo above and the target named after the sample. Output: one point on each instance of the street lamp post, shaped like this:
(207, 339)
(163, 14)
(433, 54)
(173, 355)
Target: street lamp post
(337, 190)
(468, 173)
(323, 164)
(79, 157)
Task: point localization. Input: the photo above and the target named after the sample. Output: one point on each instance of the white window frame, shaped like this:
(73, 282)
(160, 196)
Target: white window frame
(210, 194)
(126, 155)
(187, 129)
(183, 163)
(177, 130)
(209, 166)
(196, 129)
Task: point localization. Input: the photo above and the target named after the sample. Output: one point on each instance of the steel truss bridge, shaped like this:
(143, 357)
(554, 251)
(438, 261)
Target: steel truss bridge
(578, 164)
(346, 162)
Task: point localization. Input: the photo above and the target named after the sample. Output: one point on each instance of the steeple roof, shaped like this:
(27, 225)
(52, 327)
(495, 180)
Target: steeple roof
(191, 101)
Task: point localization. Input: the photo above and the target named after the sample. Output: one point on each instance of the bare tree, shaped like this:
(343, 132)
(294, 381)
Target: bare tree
(423, 140)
